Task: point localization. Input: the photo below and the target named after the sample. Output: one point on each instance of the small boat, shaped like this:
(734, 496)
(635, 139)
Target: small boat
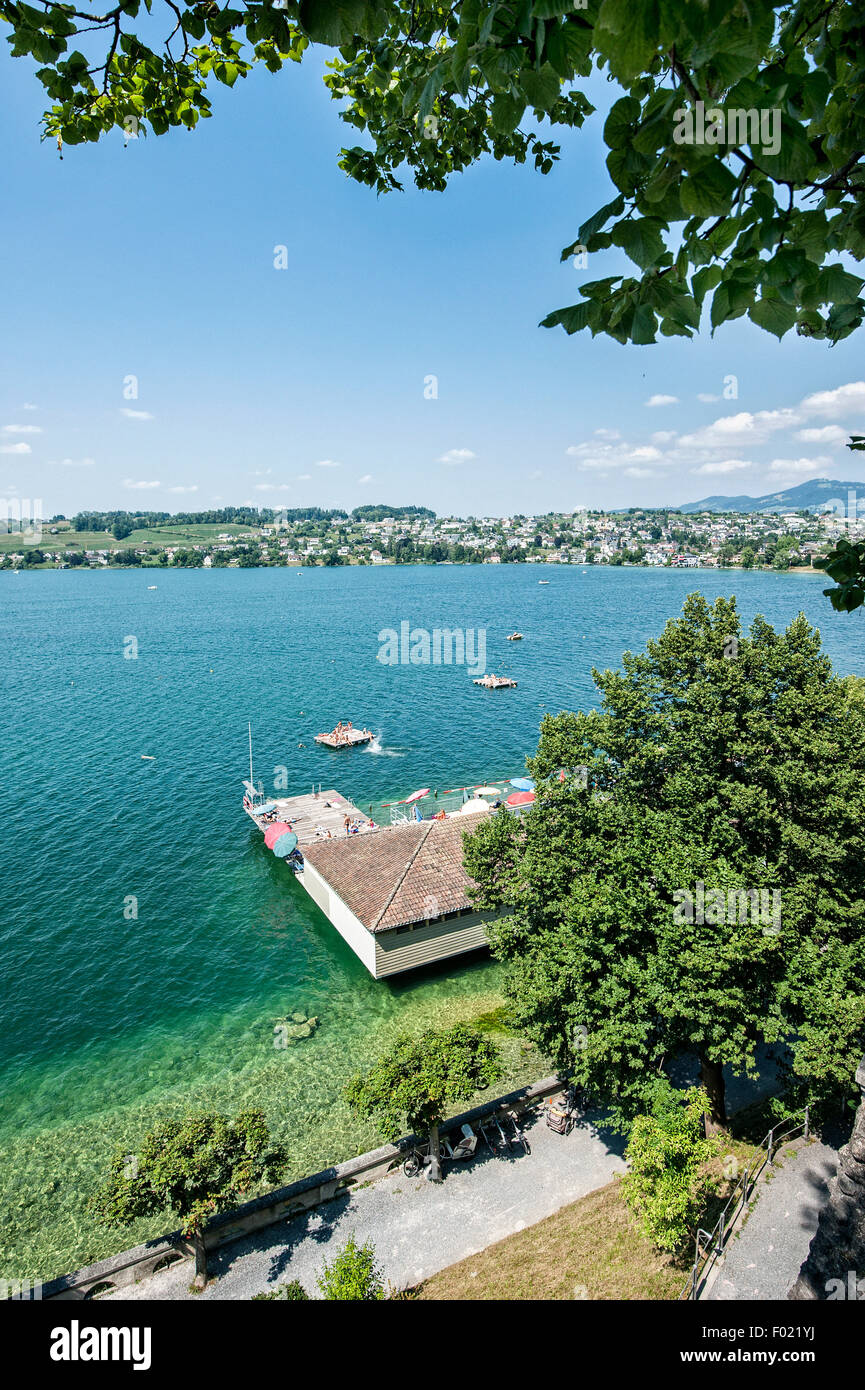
(543, 581)
(344, 736)
(515, 637)
(491, 682)
(151, 586)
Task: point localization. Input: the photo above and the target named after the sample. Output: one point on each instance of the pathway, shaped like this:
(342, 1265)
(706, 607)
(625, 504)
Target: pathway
(762, 1262)
(417, 1227)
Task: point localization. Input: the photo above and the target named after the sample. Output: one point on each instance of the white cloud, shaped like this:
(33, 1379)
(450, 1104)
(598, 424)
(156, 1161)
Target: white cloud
(707, 398)
(844, 400)
(607, 434)
(15, 449)
(592, 455)
(27, 406)
(135, 414)
(128, 482)
(367, 478)
(454, 456)
(22, 429)
(724, 466)
(801, 465)
(328, 463)
(273, 487)
(663, 436)
(260, 472)
(826, 434)
(662, 400)
(77, 463)
(303, 477)
(192, 488)
(641, 473)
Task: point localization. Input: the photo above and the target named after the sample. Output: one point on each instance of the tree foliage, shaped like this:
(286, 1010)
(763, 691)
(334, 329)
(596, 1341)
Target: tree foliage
(416, 1082)
(744, 225)
(666, 1185)
(845, 563)
(192, 1168)
(717, 758)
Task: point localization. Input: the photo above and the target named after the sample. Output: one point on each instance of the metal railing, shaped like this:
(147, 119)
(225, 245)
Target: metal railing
(708, 1245)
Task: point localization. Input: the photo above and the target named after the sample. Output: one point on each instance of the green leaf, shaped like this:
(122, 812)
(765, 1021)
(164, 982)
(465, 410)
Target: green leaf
(708, 191)
(506, 113)
(643, 325)
(641, 239)
(837, 286)
(773, 315)
(541, 88)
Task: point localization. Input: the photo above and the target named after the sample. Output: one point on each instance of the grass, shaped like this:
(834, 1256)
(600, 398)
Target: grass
(591, 1249)
(159, 537)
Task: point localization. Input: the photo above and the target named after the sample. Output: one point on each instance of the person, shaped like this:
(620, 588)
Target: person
(346, 823)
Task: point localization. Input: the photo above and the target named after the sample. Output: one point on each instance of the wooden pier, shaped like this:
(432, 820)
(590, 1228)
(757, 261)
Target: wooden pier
(315, 816)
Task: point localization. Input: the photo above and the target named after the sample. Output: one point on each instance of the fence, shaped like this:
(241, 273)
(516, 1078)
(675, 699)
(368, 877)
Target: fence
(716, 1239)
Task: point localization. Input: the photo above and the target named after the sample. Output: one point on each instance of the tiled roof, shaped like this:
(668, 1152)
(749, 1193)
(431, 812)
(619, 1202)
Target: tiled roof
(404, 874)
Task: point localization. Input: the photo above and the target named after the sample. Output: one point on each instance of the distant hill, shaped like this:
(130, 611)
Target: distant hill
(805, 497)
(379, 511)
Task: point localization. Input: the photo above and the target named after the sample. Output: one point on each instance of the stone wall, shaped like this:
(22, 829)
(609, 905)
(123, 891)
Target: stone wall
(836, 1259)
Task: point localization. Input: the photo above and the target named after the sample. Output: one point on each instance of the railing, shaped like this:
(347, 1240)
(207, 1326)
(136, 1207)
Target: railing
(714, 1241)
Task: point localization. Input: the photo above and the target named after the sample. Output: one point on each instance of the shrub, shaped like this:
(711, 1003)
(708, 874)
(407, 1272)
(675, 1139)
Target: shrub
(353, 1274)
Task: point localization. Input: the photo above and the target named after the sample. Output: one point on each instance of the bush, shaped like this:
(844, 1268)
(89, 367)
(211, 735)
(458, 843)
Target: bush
(354, 1274)
(665, 1186)
(285, 1291)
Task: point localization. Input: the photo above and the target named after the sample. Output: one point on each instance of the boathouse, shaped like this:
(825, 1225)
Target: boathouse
(398, 897)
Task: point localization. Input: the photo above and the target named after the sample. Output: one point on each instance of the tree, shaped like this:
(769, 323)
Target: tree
(736, 151)
(748, 558)
(420, 1078)
(666, 1185)
(703, 891)
(353, 1275)
(192, 1168)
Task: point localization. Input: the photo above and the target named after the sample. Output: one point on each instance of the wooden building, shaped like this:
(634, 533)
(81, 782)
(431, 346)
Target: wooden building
(398, 897)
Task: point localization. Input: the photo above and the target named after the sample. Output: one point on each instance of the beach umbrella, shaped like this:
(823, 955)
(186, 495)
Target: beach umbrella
(285, 845)
(416, 796)
(486, 791)
(273, 832)
(473, 807)
(522, 784)
(521, 798)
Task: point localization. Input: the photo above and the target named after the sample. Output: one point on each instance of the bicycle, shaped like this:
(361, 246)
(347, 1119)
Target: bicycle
(418, 1158)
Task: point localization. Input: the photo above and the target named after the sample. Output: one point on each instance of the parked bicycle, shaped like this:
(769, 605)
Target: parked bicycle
(520, 1136)
(418, 1157)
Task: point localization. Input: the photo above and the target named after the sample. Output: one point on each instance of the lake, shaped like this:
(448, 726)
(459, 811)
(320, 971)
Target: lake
(112, 1020)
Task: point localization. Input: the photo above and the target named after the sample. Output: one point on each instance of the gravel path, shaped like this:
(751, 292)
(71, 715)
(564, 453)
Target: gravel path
(762, 1262)
(417, 1227)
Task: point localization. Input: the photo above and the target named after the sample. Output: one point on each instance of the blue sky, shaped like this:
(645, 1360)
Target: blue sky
(306, 386)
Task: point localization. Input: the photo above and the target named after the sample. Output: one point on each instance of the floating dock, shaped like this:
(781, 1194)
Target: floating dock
(344, 736)
(491, 682)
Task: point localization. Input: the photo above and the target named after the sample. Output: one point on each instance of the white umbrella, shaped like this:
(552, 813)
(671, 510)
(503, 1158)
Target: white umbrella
(487, 791)
(471, 808)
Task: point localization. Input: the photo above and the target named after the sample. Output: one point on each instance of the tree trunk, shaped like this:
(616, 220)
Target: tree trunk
(200, 1279)
(712, 1078)
(435, 1168)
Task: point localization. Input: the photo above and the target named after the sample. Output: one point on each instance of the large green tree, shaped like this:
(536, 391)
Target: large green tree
(710, 209)
(719, 763)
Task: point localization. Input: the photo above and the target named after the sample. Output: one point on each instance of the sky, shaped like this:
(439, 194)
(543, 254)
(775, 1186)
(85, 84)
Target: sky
(154, 357)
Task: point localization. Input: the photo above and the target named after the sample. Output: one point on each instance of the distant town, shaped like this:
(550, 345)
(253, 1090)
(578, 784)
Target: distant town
(238, 537)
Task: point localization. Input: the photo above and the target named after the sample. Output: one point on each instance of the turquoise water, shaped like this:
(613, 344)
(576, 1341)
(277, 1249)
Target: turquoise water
(110, 1021)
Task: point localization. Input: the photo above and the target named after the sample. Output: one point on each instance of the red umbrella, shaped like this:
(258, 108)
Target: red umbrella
(520, 798)
(416, 796)
(273, 832)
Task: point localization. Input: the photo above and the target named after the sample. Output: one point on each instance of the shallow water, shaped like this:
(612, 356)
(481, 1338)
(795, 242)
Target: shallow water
(112, 1020)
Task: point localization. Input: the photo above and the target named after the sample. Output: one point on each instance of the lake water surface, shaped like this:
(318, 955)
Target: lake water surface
(110, 1021)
